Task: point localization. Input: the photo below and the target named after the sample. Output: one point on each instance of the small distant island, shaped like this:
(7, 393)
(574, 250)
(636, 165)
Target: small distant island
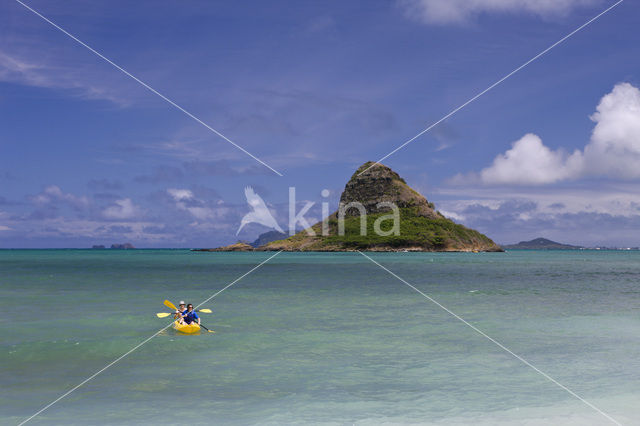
(263, 239)
(545, 244)
(123, 246)
(374, 187)
(541, 244)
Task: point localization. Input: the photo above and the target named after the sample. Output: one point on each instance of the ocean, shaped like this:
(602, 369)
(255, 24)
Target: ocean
(321, 338)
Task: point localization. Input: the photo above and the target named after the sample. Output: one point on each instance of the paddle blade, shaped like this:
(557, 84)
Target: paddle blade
(170, 305)
(162, 314)
(205, 310)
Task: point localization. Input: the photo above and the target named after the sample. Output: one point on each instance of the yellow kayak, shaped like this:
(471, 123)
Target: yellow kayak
(186, 328)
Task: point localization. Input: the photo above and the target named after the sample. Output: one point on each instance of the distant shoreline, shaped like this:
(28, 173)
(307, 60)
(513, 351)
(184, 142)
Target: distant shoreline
(313, 251)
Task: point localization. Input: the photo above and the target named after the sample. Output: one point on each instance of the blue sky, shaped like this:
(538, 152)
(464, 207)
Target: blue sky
(315, 89)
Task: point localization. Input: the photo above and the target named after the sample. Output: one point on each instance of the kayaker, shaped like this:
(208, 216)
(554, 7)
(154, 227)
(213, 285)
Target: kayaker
(190, 315)
(180, 312)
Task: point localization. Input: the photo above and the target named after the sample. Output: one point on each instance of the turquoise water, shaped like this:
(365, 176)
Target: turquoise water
(321, 338)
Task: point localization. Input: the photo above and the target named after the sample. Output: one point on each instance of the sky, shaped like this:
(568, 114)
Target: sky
(314, 89)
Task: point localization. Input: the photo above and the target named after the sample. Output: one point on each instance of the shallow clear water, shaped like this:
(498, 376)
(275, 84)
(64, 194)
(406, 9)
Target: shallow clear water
(321, 338)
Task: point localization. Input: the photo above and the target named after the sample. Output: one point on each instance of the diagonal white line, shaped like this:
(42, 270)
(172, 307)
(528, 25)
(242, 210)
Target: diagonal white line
(500, 345)
(495, 84)
(137, 346)
(145, 85)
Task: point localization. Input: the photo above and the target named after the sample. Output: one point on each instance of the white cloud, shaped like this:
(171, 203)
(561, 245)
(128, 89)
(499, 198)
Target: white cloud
(529, 161)
(180, 194)
(613, 151)
(35, 71)
(617, 199)
(4, 228)
(580, 213)
(452, 215)
(121, 209)
(83, 228)
(201, 213)
(185, 200)
(460, 11)
(53, 193)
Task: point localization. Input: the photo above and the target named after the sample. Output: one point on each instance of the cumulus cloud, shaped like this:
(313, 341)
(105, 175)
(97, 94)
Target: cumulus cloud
(185, 200)
(53, 194)
(613, 150)
(180, 194)
(615, 198)
(460, 11)
(121, 209)
(587, 215)
(452, 215)
(529, 161)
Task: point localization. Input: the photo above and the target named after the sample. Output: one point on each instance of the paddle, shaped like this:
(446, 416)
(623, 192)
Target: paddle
(170, 305)
(166, 314)
(210, 331)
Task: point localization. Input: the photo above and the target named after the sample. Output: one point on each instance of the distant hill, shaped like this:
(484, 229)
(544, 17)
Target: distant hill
(268, 237)
(540, 244)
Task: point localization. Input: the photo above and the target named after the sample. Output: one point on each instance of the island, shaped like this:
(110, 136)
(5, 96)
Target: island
(376, 187)
(124, 246)
(541, 244)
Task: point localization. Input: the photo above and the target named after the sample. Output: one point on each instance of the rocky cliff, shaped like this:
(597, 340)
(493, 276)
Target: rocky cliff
(379, 184)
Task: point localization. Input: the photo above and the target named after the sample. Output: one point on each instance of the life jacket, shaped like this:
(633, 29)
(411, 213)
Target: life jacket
(190, 316)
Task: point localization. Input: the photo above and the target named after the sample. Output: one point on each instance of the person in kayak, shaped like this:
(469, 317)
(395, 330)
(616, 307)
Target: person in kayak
(190, 315)
(180, 312)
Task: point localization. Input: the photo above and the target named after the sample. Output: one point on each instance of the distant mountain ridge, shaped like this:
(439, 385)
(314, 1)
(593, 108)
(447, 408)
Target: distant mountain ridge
(540, 244)
(268, 237)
